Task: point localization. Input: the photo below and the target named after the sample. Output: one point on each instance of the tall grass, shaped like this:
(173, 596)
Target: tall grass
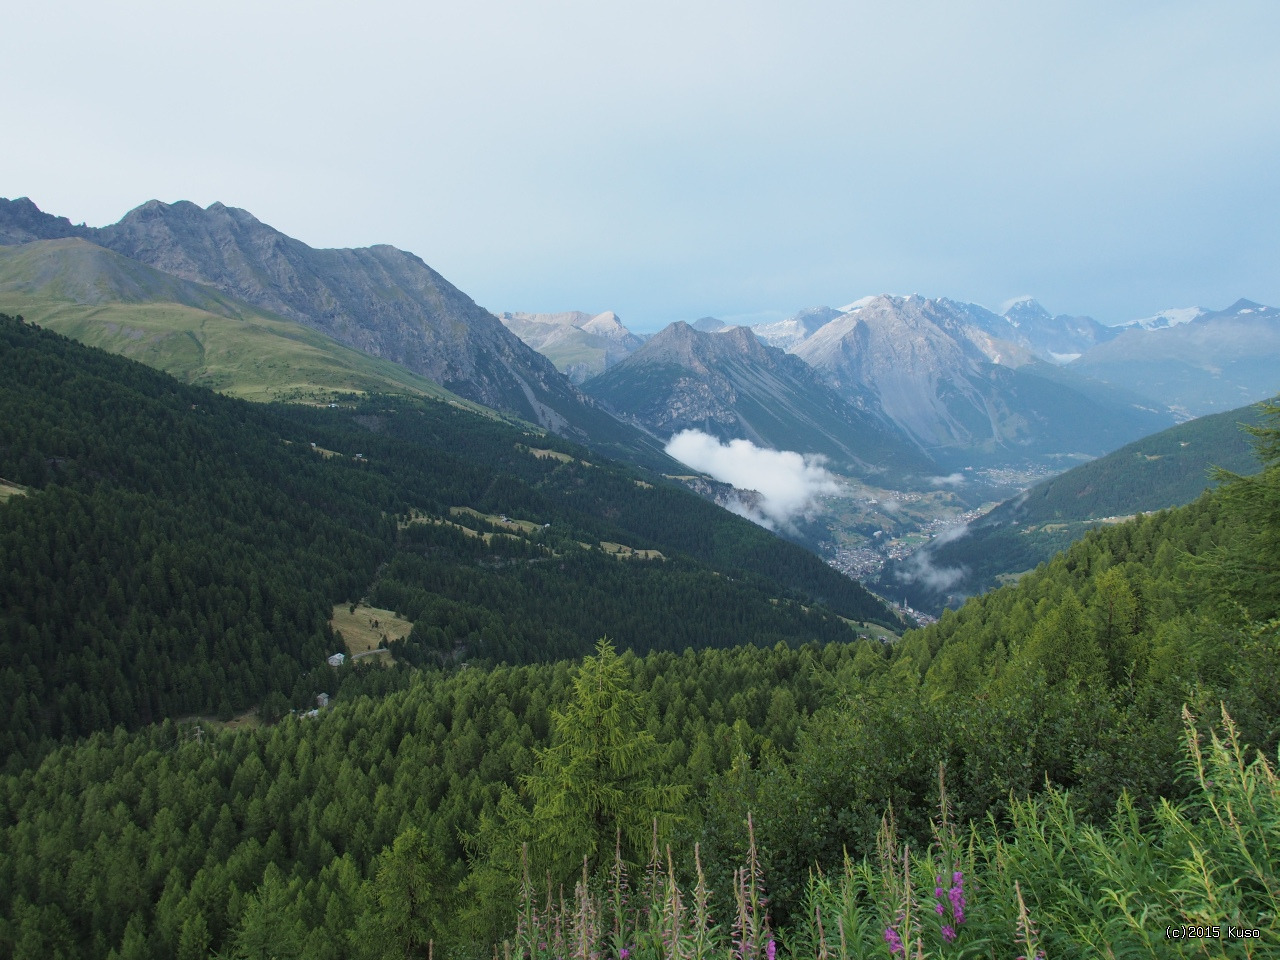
(1194, 879)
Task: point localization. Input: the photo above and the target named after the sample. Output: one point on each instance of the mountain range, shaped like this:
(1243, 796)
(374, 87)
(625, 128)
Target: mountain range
(380, 300)
(953, 380)
(732, 386)
(886, 382)
(1212, 360)
(962, 392)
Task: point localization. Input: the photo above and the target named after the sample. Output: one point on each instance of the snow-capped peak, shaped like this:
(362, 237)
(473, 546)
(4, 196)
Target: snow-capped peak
(1174, 316)
(856, 305)
(1015, 301)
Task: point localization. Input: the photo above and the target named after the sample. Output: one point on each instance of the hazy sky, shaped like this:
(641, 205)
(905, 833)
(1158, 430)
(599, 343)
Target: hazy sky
(671, 160)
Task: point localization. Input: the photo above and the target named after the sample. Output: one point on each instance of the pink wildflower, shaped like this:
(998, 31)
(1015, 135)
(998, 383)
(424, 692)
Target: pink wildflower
(893, 940)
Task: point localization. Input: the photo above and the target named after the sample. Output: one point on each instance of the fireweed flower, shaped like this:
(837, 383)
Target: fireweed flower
(772, 950)
(948, 932)
(956, 896)
(893, 940)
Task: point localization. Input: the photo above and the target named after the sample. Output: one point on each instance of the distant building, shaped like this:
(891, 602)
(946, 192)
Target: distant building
(337, 660)
(322, 699)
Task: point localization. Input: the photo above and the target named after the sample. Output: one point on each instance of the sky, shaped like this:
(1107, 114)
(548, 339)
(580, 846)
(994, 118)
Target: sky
(670, 161)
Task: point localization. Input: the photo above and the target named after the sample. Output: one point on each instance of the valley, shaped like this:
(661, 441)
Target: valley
(328, 615)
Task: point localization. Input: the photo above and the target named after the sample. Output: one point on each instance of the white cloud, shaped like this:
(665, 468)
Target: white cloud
(788, 482)
(951, 480)
(919, 567)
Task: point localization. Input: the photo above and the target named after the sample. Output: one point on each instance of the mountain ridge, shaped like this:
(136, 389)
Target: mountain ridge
(958, 390)
(189, 330)
(1213, 361)
(380, 300)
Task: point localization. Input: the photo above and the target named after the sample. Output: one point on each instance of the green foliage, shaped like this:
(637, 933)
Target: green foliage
(1198, 879)
(1054, 706)
(171, 558)
(1247, 560)
(129, 835)
(594, 793)
(597, 779)
(178, 553)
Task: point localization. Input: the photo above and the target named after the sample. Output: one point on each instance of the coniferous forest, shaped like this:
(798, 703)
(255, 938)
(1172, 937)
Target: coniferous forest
(581, 752)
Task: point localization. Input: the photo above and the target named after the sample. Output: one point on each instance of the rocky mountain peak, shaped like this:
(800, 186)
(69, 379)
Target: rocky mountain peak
(1026, 310)
(785, 334)
(21, 221)
(679, 344)
(1246, 306)
(380, 300)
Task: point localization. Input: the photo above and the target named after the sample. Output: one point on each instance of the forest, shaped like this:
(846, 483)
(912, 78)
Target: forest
(179, 553)
(1077, 765)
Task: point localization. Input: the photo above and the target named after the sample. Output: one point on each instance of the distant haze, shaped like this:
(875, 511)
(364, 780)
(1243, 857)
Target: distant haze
(671, 161)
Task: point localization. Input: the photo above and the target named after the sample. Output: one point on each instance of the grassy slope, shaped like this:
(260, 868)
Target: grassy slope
(192, 332)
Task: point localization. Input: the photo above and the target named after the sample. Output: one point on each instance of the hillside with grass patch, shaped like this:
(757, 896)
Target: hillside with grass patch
(188, 330)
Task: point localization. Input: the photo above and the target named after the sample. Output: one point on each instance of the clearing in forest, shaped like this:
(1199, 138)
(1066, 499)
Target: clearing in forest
(623, 552)
(366, 627)
(8, 490)
(543, 454)
(497, 519)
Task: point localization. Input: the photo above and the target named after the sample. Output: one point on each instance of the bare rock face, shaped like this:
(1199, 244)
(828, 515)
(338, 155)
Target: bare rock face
(731, 385)
(21, 221)
(944, 377)
(381, 300)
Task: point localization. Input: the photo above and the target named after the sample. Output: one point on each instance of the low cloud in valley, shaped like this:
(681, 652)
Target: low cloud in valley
(788, 482)
(919, 567)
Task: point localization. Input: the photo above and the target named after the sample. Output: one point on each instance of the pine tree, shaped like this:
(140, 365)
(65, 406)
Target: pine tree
(599, 778)
(1247, 563)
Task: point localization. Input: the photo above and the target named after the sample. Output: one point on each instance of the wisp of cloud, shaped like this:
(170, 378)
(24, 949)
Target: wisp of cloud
(788, 482)
(919, 566)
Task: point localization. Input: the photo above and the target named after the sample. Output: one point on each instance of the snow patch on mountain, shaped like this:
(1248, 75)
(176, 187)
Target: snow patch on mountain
(857, 304)
(1173, 317)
